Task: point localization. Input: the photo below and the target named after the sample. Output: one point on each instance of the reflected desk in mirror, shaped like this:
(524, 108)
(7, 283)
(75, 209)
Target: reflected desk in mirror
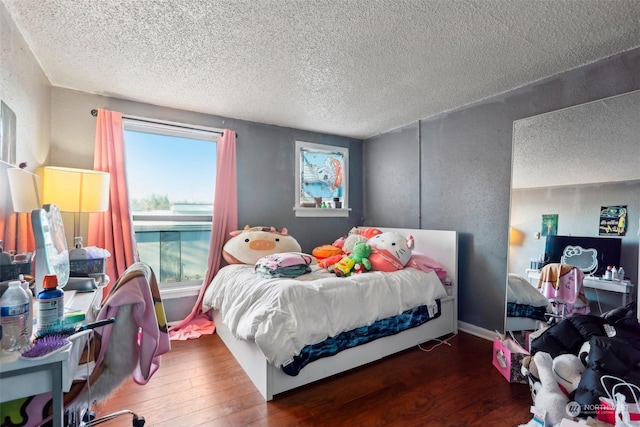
(603, 295)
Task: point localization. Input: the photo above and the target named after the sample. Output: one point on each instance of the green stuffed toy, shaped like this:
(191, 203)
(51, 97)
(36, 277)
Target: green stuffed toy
(356, 262)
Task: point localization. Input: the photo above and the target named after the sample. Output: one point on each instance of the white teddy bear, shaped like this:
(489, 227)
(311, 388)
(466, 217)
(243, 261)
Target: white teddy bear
(549, 397)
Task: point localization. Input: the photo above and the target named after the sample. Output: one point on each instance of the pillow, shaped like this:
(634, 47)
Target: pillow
(286, 264)
(426, 263)
(390, 251)
(249, 245)
(367, 232)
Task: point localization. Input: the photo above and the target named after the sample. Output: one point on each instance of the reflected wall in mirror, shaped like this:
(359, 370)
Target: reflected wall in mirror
(572, 162)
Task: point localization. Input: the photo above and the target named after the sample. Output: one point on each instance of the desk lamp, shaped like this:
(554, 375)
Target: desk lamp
(52, 256)
(24, 190)
(78, 191)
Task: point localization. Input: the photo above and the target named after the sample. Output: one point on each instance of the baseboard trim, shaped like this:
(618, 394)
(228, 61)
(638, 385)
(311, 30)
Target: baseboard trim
(476, 330)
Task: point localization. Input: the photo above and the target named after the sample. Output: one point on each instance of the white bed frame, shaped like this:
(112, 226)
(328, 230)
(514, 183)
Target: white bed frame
(522, 324)
(270, 380)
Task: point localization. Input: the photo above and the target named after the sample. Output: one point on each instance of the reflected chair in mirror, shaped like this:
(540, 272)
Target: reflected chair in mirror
(111, 354)
(562, 285)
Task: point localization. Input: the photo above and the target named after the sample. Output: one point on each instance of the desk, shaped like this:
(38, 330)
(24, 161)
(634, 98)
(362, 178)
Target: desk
(22, 378)
(624, 289)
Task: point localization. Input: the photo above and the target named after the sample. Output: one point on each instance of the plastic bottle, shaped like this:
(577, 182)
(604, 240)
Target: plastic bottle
(621, 273)
(14, 308)
(25, 286)
(614, 273)
(607, 273)
(50, 304)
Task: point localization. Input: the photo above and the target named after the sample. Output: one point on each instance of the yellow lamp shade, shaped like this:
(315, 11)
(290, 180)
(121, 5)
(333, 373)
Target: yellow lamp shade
(75, 190)
(516, 237)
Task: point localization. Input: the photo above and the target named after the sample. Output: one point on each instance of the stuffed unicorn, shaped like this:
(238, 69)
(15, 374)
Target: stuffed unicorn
(549, 398)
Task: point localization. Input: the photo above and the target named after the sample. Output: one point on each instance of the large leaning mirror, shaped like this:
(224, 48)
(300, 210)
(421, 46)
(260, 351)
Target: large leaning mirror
(569, 165)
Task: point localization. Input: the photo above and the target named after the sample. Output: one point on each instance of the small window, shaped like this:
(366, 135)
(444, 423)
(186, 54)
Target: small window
(322, 174)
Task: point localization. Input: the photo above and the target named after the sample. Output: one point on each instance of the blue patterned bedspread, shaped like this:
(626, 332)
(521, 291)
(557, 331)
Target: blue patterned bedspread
(378, 329)
(522, 310)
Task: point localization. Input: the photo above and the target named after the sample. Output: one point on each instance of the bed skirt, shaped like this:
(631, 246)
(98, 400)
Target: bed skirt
(365, 334)
(522, 310)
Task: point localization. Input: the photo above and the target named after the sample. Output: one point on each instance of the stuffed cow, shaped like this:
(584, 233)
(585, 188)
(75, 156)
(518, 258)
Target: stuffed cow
(249, 245)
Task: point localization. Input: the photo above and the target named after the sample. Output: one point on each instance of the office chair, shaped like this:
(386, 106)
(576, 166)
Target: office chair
(130, 347)
(563, 286)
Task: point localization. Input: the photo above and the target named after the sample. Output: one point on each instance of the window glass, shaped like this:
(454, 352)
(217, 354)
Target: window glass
(171, 172)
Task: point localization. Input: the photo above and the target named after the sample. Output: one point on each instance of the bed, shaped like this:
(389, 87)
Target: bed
(526, 306)
(269, 377)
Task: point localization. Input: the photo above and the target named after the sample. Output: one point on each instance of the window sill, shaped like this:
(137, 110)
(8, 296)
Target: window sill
(319, 212)
(173, 290)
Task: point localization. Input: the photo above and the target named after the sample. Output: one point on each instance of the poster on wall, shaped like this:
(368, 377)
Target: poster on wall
(613, 221)
(7, 134)
(549, 224)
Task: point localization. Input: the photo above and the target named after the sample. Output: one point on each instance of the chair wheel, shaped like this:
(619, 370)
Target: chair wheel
(138, 421)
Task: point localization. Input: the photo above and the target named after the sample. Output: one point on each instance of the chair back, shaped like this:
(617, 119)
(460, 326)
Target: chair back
(108, 355)
(132, 345)
(563, 283)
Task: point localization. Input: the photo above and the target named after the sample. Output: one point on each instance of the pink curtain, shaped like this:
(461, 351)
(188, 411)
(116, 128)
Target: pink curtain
(18, 234)
(225, 220)
(113, 229)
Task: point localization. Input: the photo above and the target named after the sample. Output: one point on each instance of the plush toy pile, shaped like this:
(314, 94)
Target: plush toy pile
(356, 262)
(275, 253)
(571, 357)
(365, 249)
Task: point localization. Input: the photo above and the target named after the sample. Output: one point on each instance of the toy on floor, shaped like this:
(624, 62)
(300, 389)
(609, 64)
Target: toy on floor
(549, 399)
(567, 371)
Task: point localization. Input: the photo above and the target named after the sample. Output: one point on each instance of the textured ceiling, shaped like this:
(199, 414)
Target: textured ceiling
(347, 67)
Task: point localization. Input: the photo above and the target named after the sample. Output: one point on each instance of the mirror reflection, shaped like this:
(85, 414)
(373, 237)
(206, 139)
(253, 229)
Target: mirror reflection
(571, 168)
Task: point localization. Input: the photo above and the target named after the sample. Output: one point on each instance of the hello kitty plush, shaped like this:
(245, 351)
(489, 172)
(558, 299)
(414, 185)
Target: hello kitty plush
(390, 251)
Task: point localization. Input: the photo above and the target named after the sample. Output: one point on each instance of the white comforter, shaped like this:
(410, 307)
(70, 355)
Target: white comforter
(284, 315)
(520, 291)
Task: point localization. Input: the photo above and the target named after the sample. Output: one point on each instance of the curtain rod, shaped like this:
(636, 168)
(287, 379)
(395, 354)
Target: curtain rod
(94, 113)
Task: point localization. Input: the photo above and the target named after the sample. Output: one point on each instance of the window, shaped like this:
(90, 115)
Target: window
(171, 172)
(322, 187)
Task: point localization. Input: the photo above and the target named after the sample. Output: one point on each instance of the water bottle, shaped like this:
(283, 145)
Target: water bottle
(50, 304)
(607, 273)
(621, 273)
(14, 309)
(25, 286)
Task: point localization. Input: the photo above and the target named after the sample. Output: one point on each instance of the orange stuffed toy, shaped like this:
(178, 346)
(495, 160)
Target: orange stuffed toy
(326, 251)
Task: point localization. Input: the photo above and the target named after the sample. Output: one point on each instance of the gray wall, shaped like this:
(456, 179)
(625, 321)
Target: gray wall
(265, 156)
(462, 181)
(26, 90)
(578, 209)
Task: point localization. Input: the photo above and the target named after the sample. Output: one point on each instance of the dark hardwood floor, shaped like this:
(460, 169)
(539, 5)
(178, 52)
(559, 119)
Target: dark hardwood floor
(199, 383)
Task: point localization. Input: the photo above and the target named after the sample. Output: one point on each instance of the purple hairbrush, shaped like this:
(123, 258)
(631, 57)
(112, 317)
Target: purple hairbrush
(46, 346)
